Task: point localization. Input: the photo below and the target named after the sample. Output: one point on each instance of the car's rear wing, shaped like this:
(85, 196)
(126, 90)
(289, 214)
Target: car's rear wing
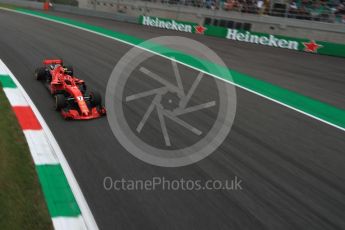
(52, 62)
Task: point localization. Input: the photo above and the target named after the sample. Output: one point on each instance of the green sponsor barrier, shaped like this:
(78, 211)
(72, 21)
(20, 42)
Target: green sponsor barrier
(279, 41)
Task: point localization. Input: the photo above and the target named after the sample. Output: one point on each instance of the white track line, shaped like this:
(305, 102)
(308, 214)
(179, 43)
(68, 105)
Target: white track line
(172, 59)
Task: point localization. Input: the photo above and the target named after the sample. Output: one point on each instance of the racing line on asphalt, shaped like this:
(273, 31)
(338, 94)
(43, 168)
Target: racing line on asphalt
(313, 108)
(291, 165)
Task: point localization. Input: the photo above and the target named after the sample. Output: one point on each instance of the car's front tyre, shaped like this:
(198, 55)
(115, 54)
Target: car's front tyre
(60, 102)
(95, 99)
(40, 74)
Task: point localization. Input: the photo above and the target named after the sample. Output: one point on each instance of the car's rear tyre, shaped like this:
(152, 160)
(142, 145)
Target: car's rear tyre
(60, 101)
(95, 99)
(41, 74)
(69, 70)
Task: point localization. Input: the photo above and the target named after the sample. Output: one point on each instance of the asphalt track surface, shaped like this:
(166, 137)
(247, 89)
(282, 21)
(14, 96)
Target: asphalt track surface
(292, 166)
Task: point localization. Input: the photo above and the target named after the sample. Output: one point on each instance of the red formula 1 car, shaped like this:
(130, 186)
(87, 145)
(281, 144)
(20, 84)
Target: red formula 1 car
(69, 92)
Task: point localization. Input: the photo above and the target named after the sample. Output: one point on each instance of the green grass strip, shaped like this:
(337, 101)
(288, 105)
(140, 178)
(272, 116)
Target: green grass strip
(22, 203)
(59, 197)
(58, 194)
(317, 109)
(7, 82)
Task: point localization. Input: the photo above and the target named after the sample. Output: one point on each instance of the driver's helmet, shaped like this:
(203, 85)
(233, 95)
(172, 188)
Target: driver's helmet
(67, 71)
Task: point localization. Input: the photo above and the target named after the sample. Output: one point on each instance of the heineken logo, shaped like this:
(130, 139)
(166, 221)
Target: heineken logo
(311, 46)
(234, 34)
(200, 29)
(268, 40)
(168, 24)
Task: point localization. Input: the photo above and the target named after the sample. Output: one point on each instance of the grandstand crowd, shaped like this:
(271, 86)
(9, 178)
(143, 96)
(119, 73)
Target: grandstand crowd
(317, 10)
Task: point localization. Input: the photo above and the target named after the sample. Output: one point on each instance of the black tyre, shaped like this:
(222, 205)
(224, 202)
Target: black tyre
(95, 99)
(41, 74)
(82, 88)
(69, 70)
(60, 101)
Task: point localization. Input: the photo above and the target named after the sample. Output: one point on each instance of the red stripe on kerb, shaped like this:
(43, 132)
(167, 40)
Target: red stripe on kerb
(26, 118)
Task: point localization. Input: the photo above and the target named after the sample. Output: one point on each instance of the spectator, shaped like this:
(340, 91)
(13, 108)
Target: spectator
(293, 9)
(340, 13)
(260, 6)
(230, 5)
(319, 11)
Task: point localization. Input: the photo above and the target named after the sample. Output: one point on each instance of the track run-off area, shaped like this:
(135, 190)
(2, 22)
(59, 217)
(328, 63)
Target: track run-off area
(287, 142)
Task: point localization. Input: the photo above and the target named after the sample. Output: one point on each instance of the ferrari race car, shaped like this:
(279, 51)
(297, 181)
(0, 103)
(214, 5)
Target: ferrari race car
(70, 93)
